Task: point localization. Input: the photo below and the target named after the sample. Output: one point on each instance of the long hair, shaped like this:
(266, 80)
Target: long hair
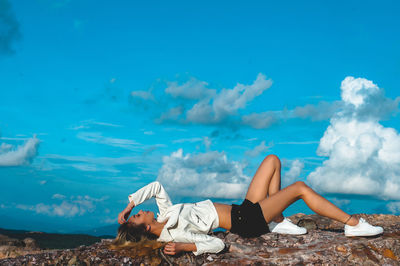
(129, 232)
(134, 241)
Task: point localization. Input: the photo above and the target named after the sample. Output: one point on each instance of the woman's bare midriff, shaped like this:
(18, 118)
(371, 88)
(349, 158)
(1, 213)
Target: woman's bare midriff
(224, 215)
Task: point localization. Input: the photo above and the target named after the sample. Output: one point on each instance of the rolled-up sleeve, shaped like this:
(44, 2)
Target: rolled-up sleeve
(206, 243)
(154, 189)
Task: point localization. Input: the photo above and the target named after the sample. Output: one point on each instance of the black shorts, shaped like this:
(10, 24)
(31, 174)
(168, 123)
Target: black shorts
(248, 220)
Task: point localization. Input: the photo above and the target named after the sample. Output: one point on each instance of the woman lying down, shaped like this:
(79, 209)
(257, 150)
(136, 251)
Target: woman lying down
(185, 227)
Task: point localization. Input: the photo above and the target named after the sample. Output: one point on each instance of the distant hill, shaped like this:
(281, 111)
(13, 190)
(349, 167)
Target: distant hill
(109, 230)
(53, 240)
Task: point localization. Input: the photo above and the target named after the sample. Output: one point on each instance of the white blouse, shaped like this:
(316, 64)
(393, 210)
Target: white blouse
(187, 222)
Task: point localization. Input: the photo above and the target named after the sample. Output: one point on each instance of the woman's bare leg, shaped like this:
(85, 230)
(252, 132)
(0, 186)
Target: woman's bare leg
(266, 182)
(277, 203)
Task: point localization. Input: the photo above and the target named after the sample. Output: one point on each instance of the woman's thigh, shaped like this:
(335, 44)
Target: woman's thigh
(275, 204)
(270, 168)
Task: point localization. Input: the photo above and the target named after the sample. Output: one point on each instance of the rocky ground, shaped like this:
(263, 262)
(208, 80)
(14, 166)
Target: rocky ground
(324, 243)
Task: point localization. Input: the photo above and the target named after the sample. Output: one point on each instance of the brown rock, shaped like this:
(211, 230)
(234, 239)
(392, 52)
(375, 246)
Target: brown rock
(309, 224)
(389, 254)
(326, 245)
(30, 243)
(341, 248)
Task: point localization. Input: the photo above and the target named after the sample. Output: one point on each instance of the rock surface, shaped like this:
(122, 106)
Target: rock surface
(324, 243)
(11, 247)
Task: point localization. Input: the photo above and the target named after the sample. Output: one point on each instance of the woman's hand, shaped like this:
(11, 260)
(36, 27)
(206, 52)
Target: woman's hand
(122, 216)
(172, 248)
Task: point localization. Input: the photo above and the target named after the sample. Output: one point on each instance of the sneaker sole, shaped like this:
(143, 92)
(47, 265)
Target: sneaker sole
(289, 233)
(371, 234)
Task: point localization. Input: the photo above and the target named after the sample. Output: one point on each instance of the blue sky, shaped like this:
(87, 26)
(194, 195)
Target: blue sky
(101, 98)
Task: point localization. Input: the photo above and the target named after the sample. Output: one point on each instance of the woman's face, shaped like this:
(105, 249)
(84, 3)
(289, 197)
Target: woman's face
(142, 217)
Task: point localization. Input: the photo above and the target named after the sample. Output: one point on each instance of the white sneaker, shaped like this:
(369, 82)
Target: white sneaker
(286, 227)
(363, 228)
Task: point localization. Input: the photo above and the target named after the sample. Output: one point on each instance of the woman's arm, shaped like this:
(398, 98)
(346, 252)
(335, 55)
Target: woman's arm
(202, 243)
(154, 189)
(173, 248)
(122, 216)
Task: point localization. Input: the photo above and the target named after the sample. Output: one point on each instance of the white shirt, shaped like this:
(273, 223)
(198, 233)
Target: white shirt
(187, 222)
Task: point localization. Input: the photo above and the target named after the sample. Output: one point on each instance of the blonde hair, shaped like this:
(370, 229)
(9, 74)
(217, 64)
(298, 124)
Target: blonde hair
(134, 241)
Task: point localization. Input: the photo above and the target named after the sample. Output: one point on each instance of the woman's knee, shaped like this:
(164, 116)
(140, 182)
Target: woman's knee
(302, 187)
(273, 159)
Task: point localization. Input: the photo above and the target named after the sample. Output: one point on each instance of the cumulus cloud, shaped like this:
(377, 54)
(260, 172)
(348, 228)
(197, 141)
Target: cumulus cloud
(293, 173)
(192, 89)
(194, 103)
(173, 114)
(363, 156)
(365, 100)
(209, 175)
(257, 150)
(321, 111)
(76, 205)
(145, 95)
(9, 28)
(260, 120)
(20, 155)
(58, 196)
(227, 102)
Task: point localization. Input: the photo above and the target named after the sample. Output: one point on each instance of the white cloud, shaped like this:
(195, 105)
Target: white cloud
(76, 205)
(21, 155)
(207, 142)
(322, 111)
(298, 142)
(363, 156)
(4, 147)
(173, 114)
(261, 148)
(192, 89)
(91, 123)
(339, 202)
(293, 174)
(97, 137)
(187, 140)
(227, 102)
(58, 196)
(209, 107)
(207, 174)
(6, 138)
(394, 207)
(359, 98)
(145, 95)
(110, 220)
(259, 120)
(105, 124)
(50, 162)
(93, 168)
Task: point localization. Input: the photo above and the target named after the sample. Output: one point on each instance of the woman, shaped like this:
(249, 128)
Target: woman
(186, 226)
